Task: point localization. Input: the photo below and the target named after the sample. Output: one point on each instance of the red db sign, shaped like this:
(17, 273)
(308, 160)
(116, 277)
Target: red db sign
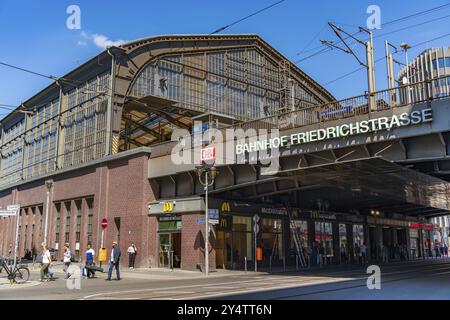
(208, 154)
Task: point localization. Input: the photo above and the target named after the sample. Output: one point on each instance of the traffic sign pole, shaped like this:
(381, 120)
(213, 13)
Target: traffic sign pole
(255, 232)
(16, 209)
(104, 225)
(206, 228)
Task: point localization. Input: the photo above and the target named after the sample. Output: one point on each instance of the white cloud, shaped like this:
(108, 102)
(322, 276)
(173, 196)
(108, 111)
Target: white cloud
(99, 40)
(103, 42)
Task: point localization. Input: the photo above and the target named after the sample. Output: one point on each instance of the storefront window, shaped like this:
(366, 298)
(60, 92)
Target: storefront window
(324, 236)
(302, 231)
(242, 241)
(343, 236)
(358, 234)
(272, 239)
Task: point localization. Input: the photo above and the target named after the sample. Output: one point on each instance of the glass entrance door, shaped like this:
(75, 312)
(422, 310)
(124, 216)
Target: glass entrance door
(164, 250)
(170, 250)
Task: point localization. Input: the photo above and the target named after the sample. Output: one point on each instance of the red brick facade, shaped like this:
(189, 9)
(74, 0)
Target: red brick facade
(118, 190)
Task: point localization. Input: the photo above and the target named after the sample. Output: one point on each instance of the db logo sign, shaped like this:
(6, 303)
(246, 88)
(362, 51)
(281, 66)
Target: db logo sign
(208, 154)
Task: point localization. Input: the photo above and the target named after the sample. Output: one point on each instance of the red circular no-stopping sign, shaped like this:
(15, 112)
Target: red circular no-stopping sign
(104, 223)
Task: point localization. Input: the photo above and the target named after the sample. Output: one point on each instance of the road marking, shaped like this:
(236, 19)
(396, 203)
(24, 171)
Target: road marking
(176, 287)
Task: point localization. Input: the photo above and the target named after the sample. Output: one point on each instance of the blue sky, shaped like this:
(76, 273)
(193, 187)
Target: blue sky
(34, 34)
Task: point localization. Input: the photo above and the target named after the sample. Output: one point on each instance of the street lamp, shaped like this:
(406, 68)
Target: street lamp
(405, 48)
(209, 172)
(49, 185)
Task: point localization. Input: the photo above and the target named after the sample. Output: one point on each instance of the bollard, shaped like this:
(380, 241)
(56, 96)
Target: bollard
(296, 262)
(270, 264)
(245, 263)
(284, 264)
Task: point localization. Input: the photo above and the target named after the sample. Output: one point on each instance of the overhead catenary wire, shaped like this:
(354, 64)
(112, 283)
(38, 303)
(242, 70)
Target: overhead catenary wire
(381, 58)
(327, 49)
(246, 17)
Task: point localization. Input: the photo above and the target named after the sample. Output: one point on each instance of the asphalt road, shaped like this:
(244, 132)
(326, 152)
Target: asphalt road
(414, 280)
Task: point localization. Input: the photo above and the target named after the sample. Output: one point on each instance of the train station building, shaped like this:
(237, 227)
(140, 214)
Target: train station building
(120, 136)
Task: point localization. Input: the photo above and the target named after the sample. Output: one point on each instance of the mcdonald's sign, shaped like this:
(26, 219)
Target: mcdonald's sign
(225, 223)
(314, 215)
(225, 207)
(167, 206)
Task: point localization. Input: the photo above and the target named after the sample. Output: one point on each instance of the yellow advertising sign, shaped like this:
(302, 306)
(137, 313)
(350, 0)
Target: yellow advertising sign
(168, 207)
(102, 255)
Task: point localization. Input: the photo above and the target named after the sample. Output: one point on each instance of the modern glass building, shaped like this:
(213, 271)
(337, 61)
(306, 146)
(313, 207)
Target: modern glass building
(430, 64)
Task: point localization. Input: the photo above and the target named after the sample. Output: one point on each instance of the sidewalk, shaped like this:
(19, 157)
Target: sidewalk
(177, 274)
(149, 273)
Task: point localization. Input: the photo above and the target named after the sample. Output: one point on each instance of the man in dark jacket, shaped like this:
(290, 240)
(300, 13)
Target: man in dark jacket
(114, 261)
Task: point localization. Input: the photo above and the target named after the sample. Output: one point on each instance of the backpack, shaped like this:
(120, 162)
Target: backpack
(72, 256)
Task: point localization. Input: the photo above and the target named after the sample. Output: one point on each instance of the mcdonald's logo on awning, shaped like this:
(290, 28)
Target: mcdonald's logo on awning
(167, 206)
(225, 207)
(314, 215)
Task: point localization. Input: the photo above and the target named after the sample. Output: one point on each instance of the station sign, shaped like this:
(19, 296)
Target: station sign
(405, 119)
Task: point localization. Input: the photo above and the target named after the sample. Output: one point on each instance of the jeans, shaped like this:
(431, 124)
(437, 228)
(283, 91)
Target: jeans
(132, 259)
(66, 269)
(111, 266)
(88, 271)
(44, 270)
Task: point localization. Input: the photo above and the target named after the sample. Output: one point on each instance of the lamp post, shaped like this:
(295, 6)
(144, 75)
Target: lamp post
(49, 185)
(405, 47)
(209, 172)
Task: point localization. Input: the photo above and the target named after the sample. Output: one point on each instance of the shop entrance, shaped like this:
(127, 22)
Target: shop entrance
(170, 250)
(234, 242)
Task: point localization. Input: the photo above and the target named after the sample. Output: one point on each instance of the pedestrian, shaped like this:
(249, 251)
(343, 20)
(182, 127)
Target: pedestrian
(363, 250)
(114, 261)
(314, 253)
(67, 259)
(357, 254)
(385, 253)
(34, 253)
(132, 251)
(343, 254)
(309, 255)
(446, 249)
(90, 254)
(321, 255)
(45, 263)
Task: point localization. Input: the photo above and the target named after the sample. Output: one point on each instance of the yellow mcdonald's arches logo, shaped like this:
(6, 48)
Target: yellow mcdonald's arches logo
(167, 206)
(225, 207)
(223, 223)
(314, 214)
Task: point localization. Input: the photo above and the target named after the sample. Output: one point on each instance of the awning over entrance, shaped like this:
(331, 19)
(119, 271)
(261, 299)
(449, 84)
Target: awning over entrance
(374, 183)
